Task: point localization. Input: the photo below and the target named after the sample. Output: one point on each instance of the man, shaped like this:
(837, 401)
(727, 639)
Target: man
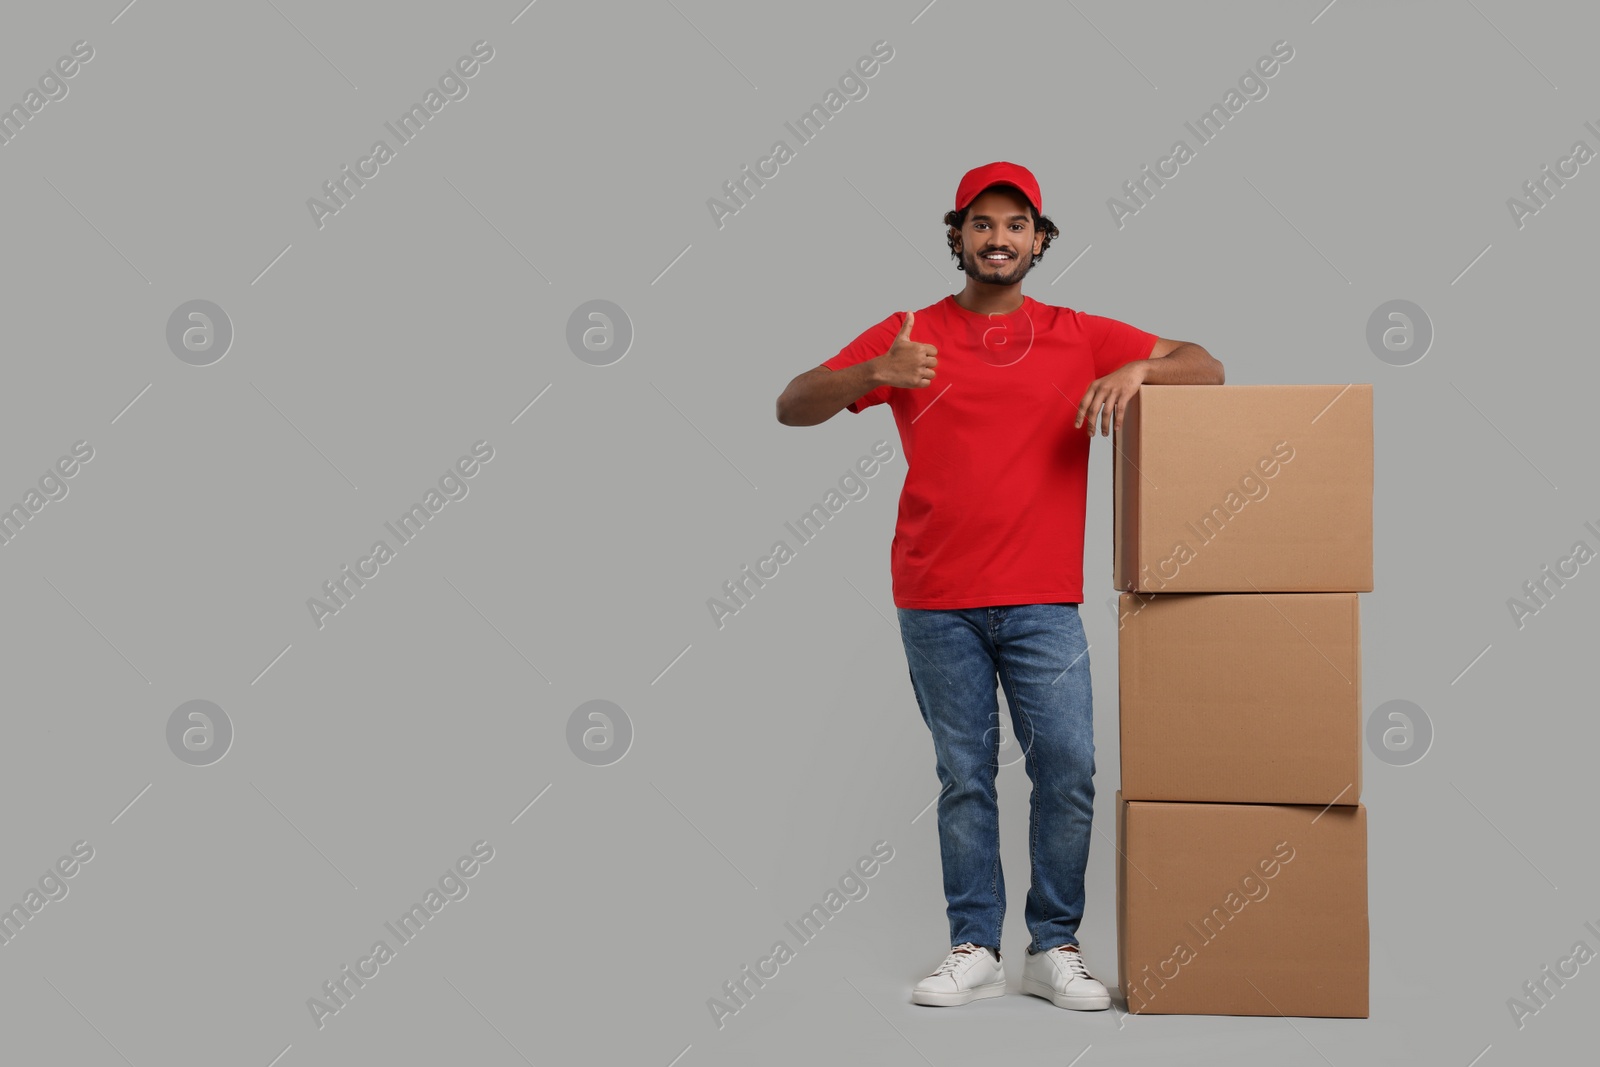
(996, 397)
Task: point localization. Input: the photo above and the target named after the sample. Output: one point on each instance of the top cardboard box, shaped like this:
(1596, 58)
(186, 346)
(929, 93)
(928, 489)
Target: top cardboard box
(1244, 489)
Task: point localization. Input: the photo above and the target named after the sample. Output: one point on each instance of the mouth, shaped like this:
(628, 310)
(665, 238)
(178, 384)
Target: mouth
(998, 258)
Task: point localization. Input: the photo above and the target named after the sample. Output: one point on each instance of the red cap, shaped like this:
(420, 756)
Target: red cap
(978, 179)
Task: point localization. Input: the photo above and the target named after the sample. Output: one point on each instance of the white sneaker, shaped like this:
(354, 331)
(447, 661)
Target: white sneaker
(1059, 976)
(969, 973)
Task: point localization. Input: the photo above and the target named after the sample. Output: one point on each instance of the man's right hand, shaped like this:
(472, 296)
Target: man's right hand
(908, 364)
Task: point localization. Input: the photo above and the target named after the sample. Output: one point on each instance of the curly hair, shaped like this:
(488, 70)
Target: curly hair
(1041, 223)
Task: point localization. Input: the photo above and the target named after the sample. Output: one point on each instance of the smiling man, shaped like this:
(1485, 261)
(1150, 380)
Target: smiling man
(996, 397)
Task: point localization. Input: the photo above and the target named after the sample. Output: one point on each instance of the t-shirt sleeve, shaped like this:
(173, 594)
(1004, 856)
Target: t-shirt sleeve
(1115, 343)
(874, 342)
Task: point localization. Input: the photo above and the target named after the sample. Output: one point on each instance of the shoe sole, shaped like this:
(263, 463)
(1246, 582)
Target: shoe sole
(952, 1000)
(1034, 987)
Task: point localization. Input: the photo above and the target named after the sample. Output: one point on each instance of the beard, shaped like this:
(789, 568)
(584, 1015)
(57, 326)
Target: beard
(980, 272)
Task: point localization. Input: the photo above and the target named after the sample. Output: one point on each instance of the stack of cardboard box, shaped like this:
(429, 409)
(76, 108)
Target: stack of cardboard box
(1243, 533)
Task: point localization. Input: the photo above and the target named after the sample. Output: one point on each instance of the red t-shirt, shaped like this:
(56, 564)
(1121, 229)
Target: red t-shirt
(996, 475)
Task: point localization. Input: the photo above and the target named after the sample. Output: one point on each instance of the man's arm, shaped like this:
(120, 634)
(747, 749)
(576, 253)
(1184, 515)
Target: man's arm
(1169, 363)
(1182, 363)
(822, 392)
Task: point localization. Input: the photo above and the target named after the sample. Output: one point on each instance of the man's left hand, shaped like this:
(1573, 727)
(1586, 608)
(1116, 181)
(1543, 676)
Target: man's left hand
(1107, 398)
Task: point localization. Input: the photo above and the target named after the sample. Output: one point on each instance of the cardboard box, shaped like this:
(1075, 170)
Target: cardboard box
(1242, 909)
(1243, 489)
(1241, 698)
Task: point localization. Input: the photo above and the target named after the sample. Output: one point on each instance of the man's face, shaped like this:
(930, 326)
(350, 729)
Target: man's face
(998, 241)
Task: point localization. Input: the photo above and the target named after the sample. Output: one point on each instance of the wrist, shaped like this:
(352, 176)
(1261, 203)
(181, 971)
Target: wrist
(871, 372)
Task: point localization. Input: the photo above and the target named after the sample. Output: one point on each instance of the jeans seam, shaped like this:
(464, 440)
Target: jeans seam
(994, 887)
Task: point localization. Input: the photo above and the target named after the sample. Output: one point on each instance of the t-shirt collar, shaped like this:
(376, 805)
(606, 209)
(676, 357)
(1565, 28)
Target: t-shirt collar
(1027, 306)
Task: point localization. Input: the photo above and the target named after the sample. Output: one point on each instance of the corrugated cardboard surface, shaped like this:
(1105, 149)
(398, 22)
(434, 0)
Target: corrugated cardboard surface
(1242, 909)
(1241, 698)
(1244, 489)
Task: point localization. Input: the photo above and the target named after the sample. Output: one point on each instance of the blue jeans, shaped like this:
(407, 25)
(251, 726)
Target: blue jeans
(1040, 655)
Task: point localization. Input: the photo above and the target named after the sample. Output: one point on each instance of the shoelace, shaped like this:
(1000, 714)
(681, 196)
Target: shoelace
(957, 958)
(1073, 961)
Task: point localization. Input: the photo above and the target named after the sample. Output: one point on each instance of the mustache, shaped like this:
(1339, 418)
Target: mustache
(1020, 266)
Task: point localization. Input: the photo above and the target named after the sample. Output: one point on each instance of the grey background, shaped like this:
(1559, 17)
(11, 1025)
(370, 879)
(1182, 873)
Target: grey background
(768, 755)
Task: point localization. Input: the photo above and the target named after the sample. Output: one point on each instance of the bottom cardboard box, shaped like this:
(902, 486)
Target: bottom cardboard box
(1242, 909)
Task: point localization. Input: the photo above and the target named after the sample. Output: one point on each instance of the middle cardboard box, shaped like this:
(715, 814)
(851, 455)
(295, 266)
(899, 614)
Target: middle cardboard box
(1241, 698)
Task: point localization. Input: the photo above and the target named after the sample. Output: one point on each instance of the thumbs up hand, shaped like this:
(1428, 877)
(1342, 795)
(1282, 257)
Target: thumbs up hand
(908, 364)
